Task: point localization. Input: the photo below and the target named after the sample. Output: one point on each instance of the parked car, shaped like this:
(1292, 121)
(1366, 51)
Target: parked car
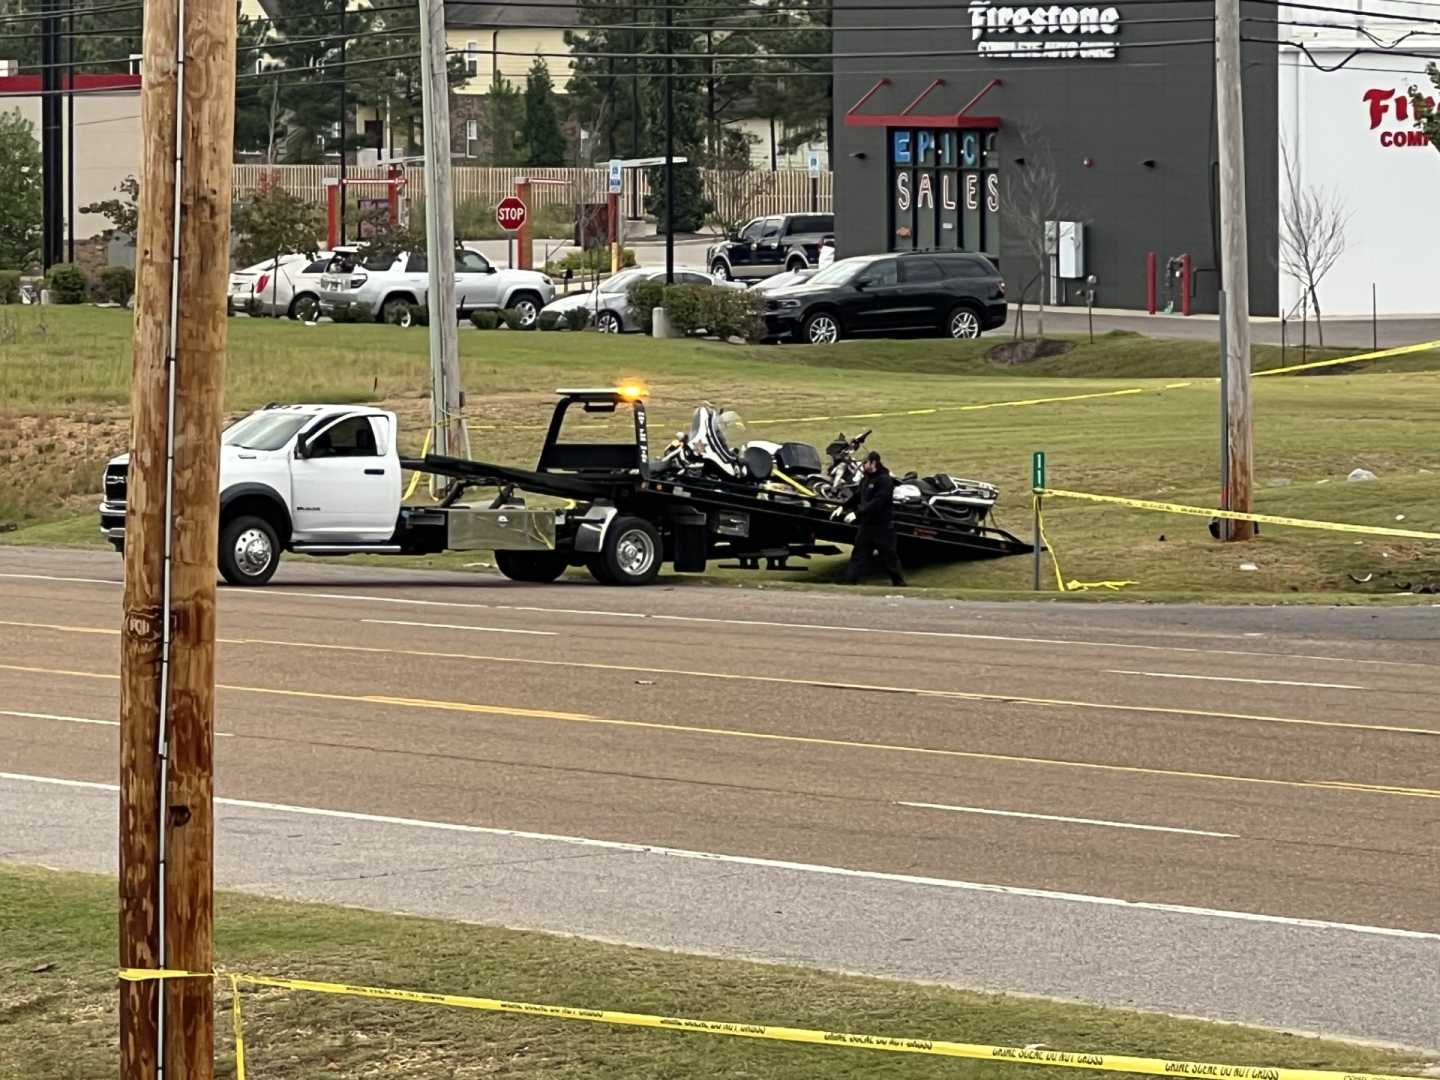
(780, 282)
(609, 303)
(289, 286)
(389, 287)
(960, 295)
(770, 245)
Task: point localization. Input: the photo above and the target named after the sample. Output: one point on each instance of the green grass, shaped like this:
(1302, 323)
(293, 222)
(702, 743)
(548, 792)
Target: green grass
(58, 1004)
(64, 380)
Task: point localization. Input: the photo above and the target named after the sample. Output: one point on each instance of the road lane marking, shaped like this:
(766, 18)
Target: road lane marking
(759, 862)
(1350, 787)
(461, 626)
(1070, 820)
(82, 720)
(782, 680)
(283, 591)
(1234, 679)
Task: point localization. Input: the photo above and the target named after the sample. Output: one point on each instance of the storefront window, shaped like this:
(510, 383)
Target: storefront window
(944, 190)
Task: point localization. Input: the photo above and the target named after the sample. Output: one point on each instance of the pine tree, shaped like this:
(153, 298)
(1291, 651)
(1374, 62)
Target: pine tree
(544, 141)
(504, 118)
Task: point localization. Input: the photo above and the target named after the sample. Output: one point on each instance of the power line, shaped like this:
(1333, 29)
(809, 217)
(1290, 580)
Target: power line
(41, 16)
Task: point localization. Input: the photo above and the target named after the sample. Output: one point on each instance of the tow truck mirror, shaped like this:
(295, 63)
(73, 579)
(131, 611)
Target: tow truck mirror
(302, 448)
(862, 284)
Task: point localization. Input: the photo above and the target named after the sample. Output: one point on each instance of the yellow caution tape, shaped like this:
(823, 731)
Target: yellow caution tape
(931, 1047)
(1234, 515)
(1382, 354)
(1072, 585)
(415, 477)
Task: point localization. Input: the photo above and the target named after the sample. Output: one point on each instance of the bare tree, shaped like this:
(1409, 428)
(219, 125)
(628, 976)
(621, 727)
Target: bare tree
(1313, 221)
(1033, 202)
(738, 187)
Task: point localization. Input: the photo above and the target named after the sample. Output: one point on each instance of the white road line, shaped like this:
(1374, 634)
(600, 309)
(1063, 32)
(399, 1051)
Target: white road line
(1232, 679)
(461, 626)
(81, 720)
(1070, 820)
(781, 864)
(276, 593)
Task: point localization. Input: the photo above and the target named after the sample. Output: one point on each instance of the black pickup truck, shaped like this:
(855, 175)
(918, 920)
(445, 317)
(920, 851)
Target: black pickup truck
(771, 245)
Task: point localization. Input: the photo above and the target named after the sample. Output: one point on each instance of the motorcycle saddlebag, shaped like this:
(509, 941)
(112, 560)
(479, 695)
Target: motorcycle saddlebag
(797, 458)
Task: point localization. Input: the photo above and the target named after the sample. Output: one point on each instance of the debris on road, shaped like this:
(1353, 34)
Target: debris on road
(1361, 474)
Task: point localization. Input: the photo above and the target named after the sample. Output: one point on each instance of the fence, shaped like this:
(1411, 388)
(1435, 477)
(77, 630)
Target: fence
(737, 195)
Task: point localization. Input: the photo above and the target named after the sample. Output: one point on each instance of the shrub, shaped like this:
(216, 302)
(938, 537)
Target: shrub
(689, 308)
(115, 284)
(737, 313)
(588, 261)
(515, 321)
(352, 313)
(485, 320)
(419, 314)
(576, 318)
(9, 286)
(68, 284)
(644, 297)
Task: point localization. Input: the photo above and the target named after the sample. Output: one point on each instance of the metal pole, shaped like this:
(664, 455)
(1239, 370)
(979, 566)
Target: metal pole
(669, 147)
(53, 209)
(1224, 419)
(1234, 257)
(1374, 318)
(344, 193)
(70, 145)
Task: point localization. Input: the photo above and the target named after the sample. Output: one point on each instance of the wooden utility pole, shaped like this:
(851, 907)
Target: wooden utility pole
(1234, 264)
(445, 397)
(167, 659)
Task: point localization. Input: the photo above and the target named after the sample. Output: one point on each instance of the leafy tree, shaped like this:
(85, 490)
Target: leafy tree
(504, 118)
(21, 200)
(259, 120)
(544, 141)
(97, 51)
(273, 222)
(123, 213)
(1427, 114)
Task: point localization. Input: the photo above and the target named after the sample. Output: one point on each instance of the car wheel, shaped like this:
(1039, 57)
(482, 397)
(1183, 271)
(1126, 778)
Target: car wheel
(396, 310)
(527, 306)
(535, 567)
(964, 323)
(795, 265)
(249, 551)
(305, 307)
(607, 322)
(822, 328)
(721, 269)
(632, 552)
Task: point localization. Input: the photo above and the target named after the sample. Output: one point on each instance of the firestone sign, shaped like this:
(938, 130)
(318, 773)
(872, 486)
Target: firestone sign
(1394, 105)
(1048, 32)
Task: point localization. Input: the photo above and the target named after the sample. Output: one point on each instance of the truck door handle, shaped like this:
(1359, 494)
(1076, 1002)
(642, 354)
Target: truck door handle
(374, 472)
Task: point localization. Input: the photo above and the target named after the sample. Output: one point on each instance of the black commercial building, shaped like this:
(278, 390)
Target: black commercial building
(1117, 99)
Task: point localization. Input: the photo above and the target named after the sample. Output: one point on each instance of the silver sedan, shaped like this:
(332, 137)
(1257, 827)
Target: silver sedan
(608, 304)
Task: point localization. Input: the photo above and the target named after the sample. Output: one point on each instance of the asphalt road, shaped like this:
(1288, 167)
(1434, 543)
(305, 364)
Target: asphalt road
(1231, 813)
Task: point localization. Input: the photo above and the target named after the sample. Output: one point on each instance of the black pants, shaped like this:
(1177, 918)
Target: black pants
(872, 553)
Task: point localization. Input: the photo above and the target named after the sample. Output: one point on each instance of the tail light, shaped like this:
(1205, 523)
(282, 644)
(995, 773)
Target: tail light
(260, 285)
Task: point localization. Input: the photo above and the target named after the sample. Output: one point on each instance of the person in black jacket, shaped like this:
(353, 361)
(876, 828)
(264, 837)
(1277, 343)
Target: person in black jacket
(873, 506)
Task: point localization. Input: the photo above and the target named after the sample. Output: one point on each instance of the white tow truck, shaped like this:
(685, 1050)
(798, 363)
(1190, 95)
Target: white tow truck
(327, 480)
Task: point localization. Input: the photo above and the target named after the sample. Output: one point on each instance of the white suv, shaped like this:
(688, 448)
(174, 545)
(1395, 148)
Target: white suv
(388, 287)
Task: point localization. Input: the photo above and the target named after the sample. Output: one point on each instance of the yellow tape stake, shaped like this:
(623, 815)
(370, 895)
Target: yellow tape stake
(239, 1028)
(1235, 515)
(1382, 354)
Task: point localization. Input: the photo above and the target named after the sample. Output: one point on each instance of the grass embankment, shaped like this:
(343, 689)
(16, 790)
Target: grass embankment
(58, 1004)
(64, 383)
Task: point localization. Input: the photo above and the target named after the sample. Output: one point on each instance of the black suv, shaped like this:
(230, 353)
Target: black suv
(771, 245)
(958, 294)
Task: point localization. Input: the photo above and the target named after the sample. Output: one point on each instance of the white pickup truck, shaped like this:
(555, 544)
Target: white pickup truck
(326, 480)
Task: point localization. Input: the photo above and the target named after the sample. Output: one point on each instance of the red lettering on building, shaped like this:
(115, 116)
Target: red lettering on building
(1395, 104)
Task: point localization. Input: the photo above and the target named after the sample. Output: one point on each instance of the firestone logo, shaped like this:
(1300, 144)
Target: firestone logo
(1396, 105)
(1052, 32)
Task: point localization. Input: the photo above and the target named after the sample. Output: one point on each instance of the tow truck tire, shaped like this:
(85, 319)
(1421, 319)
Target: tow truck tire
(534, 567)
(249, 551)
(632, 553)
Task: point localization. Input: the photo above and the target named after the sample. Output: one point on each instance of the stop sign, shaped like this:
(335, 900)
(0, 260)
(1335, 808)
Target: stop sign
(510, 214)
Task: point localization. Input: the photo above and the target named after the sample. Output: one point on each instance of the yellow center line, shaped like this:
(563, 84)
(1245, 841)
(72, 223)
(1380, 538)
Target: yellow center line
(831, 684)
(799, 740)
